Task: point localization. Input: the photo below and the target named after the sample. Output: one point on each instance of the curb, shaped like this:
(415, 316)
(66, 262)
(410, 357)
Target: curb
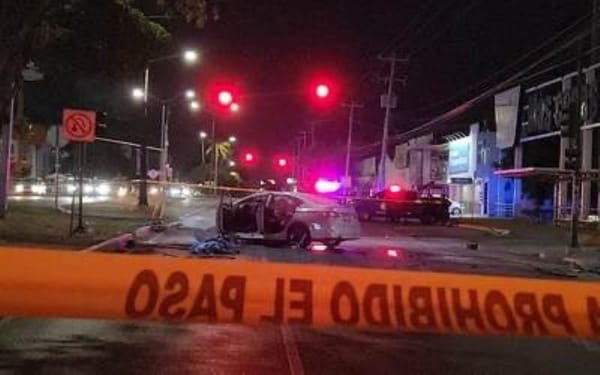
(494, 231)
(120, 242)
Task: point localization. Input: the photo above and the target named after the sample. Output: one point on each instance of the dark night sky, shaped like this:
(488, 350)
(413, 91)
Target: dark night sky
(273, 46)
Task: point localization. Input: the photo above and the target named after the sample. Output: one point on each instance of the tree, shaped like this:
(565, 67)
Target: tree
(224, 151)
(106, 35)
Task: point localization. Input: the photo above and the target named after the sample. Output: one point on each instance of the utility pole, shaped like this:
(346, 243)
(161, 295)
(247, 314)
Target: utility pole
(347, 178)
(595, 32)
(5, 158)
(388, 103)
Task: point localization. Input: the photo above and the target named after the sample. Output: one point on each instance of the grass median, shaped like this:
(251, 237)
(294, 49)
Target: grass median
(31, 222)
(39, 223)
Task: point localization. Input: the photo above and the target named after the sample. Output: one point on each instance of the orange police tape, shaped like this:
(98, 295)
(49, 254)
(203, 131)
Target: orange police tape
(66, 284)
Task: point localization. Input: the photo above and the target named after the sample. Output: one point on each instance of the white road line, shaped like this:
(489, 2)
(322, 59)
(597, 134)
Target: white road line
(291, 351)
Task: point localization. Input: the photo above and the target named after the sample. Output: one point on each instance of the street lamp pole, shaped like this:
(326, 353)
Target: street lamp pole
(146, 83)
(216, 153)
(164, 156)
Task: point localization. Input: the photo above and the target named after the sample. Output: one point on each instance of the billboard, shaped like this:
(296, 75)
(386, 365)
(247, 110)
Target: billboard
(459, 156)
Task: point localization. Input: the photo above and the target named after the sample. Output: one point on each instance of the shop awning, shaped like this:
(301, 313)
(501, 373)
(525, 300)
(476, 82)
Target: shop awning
(546, 172)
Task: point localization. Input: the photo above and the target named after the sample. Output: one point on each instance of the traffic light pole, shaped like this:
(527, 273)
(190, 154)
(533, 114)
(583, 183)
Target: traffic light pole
(577, 119)
(215, 153)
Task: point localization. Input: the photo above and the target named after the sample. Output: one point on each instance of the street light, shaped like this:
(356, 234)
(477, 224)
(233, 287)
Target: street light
(203, 136)
(190, 94)
(190, 56)
(232, 139)
(137, 93)
(231, 163)
(194, 105)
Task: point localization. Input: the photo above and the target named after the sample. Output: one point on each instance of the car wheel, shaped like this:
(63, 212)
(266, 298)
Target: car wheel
(298, 234)
(456, 211)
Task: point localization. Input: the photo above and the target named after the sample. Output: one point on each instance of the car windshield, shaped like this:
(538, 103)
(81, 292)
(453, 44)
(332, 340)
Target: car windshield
(299, 187)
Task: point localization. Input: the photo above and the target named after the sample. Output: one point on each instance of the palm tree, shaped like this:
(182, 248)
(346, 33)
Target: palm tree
(224, 150)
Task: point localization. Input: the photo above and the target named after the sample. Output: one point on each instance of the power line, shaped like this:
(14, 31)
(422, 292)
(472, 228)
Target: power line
(510, 66)
(442, 30)
(502, 85)
(512, 80)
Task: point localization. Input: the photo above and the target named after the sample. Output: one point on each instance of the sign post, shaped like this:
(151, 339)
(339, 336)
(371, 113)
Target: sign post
(79, 126)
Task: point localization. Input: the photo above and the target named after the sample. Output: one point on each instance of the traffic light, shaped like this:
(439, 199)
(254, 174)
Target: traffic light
(249, 158)
(282, 162)
(571, 158)
(323, 92)
(225, 98)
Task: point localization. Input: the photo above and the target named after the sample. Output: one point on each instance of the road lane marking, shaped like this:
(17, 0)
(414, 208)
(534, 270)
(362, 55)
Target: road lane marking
(291, 351)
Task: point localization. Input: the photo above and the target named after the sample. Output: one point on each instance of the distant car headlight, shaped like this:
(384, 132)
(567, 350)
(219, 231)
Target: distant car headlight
(88, 189)
(186, 192)
(71, 188)
(174, 192)
(122, 191)
(19, 188)
(103, 189)
(38, 189)
(153, 190)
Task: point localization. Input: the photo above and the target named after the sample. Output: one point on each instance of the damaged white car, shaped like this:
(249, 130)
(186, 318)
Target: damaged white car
(286, 217)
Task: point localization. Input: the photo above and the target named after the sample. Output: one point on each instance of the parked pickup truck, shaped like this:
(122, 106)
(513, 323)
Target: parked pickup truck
(395, 204)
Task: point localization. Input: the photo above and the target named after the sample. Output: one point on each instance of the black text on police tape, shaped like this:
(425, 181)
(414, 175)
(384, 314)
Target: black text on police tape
(378, 305)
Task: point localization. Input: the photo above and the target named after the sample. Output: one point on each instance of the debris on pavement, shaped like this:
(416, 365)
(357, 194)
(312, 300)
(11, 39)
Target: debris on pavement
(472, 245)
(215, 245)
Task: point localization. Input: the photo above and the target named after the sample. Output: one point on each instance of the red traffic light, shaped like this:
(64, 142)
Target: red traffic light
(282, 162)
(249, 158)
(322, 91)
(225, 98)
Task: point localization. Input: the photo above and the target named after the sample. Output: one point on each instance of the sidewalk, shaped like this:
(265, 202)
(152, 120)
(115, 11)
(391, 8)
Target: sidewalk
(543, 241)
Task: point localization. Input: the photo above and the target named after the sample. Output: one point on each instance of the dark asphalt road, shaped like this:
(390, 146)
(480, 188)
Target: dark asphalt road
(54, 346)
(29, 346)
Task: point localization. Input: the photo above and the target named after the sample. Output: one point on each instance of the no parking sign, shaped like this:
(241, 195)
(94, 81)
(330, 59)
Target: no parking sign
(79, 125)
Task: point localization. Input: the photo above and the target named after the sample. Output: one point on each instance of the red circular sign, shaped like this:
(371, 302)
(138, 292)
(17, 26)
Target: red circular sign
(79, 125)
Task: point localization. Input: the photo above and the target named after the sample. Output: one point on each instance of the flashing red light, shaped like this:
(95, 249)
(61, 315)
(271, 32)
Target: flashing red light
(225, 98)
(249, 157)
(392, 253)
(324, 186)
(322, 91)
(395, 188)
